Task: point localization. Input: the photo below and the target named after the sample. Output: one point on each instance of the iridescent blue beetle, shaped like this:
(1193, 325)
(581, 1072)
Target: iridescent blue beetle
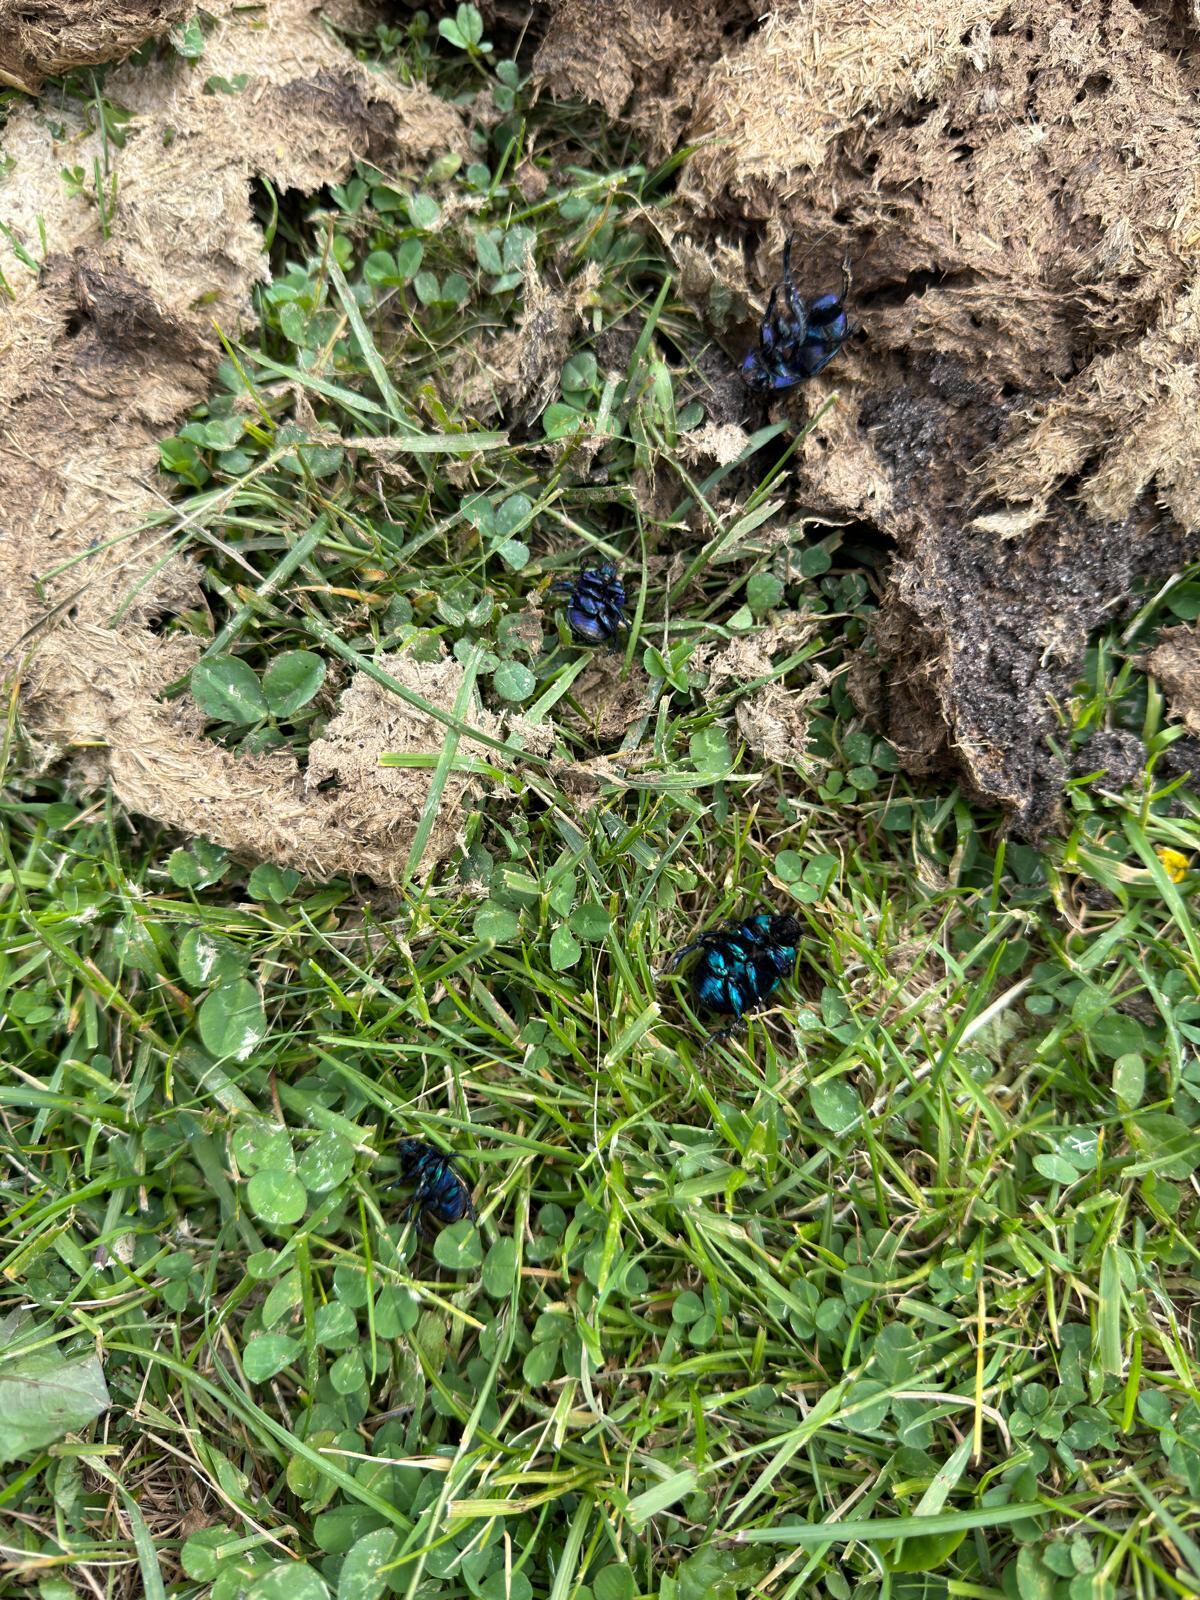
(796, 342)
(439, 1191)
(742, 963)
(595, 603)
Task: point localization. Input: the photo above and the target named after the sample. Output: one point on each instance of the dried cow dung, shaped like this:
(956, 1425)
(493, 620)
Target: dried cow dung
(114, 339)
(644, 59)
(1175, 662)
(41, 37)
(1012, 184)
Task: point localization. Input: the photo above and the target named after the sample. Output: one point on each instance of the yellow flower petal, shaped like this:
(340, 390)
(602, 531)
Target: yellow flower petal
(1174, 862)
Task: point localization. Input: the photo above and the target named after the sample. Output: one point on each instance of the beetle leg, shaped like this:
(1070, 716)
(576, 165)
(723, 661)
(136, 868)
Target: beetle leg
(696, 944)
(704, 941)
(766, 334)
(719, 1035)
(792, 294)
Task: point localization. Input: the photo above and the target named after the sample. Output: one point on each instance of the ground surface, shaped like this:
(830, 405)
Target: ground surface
(919, 1245)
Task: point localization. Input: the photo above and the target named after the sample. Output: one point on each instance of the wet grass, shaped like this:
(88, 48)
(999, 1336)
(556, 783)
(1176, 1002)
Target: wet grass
(891, 1295)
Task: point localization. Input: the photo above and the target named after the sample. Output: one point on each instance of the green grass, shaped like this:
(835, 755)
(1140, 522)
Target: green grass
(893, 1296)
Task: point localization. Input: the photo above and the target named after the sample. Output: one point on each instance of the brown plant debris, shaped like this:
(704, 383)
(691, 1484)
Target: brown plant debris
(373, 805)
(761, 120)
(39, 38)
(1175, 662)
(114, 339)
(1012, 184)
(518, 373)
(721, 442)
(774, 722)
(748, 656)
(612, 700)
(772, 718)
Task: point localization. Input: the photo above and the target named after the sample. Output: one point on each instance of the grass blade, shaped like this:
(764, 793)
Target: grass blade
(876, 1530)
(366, 345)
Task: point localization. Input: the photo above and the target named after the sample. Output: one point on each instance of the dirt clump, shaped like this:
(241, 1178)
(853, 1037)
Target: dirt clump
(1118, 755)
(369, 804)
(344, 815)
(748, 656)
(774, 722)
(772, 718)
(612, 700)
